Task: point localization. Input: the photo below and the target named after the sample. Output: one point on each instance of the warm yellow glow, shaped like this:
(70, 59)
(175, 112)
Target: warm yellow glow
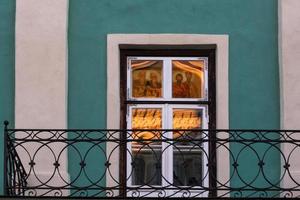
(196, 69)
(142, 64)
(186, 119)
(151, 119)
(146, 135)
(191, 83)
(146, 119)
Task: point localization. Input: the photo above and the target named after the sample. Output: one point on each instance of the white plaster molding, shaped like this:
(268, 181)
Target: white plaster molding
(289, 62)
(113, 83)
(41, 70)
(289, 43)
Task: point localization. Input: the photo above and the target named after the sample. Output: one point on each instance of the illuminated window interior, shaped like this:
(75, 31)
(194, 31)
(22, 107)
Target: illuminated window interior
(170, 83)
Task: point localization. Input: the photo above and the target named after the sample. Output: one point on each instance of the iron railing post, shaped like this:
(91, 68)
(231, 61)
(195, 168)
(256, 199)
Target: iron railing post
(123, 163)
(212, 162)
(5, 183)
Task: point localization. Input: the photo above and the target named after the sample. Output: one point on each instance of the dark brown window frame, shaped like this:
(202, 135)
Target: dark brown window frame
(209, 51)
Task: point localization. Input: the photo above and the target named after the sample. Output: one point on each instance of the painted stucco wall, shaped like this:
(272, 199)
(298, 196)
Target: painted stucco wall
(251, 25)
(7, 31)
(253, 62)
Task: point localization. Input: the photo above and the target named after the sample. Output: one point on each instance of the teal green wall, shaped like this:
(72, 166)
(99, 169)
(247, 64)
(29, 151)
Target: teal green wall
(7, 63)
(253, 66)
(251, 25)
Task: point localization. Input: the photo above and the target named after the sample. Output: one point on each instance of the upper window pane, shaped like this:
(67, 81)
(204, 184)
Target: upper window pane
(146, 78)
(188, 78)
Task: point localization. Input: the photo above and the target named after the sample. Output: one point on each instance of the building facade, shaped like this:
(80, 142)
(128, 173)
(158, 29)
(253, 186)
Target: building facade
(61, 67)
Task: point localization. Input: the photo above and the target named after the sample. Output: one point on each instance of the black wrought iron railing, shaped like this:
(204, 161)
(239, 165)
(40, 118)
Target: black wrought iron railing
(152, 163)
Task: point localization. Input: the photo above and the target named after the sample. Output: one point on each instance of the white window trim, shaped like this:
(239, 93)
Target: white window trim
(113, 86)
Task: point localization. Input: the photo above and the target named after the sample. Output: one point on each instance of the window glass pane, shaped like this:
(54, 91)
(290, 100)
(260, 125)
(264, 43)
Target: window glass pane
(146, 78)
(146, 153)
(187, 152)
(188, 78)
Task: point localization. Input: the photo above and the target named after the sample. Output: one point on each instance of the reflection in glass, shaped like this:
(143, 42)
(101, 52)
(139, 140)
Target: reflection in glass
(187, 118)
(146, 78)
(146, 154)
(188, 78)
(187, 162)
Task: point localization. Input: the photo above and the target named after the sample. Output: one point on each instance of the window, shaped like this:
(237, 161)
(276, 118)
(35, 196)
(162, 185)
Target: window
(167, 89)
(117, 43)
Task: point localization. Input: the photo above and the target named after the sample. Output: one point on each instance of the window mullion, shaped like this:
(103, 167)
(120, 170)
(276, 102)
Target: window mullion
(167, 78)
(129, 146)
(205, 146)
(168, 148)
(168, 152)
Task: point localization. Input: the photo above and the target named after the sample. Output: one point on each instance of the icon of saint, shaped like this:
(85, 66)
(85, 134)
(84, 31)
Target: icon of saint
(180, 90)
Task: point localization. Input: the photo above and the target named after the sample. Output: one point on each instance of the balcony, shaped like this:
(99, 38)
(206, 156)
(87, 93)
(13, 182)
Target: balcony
(134, 164)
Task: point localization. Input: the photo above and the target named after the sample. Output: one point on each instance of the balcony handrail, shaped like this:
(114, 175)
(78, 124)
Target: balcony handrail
(103, 129)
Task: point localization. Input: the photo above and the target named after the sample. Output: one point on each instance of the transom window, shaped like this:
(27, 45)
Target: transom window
(167, 93)
(167, 78)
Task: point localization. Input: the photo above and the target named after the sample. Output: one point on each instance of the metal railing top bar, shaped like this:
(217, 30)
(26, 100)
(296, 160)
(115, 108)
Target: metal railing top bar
(6, 123)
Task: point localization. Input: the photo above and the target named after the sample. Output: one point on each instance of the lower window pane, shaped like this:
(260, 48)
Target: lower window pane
(187, 167)
(146, 152)
(146, 164)
(187, 152)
